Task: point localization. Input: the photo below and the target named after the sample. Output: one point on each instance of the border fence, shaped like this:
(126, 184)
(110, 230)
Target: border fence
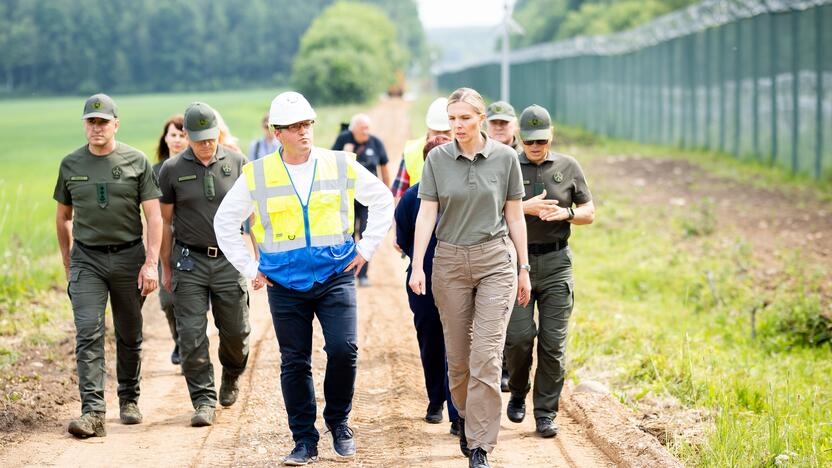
(752, 78)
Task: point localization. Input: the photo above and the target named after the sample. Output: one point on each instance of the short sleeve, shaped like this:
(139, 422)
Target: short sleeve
(582, 194)
(515, 181)
(427, 186)
(148, 183)
(61, 194)
(382, 153)
(340, 141)
(165, 185)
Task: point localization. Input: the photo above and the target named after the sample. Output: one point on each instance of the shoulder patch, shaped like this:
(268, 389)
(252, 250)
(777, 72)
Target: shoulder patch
(79, 178)
(187, 177)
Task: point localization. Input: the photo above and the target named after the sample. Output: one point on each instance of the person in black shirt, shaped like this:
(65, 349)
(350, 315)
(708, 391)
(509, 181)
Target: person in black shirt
(370, 153)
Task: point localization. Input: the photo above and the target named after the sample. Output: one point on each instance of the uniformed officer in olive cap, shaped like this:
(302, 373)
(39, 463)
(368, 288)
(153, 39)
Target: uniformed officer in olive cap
(101, 190)
(193, 184)
(554, 183)
(501, 124)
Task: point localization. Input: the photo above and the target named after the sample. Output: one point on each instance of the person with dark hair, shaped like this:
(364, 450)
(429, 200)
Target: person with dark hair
(265, 145)
(474, 185)
(173, 141)
(425, 315)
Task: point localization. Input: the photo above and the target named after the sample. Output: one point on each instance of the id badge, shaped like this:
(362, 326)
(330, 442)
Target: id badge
(185, 262)
(208, 186)
(539, 187)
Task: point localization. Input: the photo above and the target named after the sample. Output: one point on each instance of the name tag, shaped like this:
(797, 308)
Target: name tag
(79, 178)
(187, 177)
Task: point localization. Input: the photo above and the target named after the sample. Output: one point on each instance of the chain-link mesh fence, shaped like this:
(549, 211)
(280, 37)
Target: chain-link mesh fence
(748, 77)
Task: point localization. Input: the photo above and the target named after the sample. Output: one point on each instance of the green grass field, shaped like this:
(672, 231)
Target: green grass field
(40, 132)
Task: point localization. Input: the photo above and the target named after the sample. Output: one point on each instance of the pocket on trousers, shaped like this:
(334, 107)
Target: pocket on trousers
(74, 274)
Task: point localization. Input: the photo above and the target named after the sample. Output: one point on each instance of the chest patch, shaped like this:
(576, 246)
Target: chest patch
(79, 178)
(117, 172)
(226, 169)
(185, 178)
(558, 177)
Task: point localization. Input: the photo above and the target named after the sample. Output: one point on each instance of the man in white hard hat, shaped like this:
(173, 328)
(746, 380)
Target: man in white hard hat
(410, 169)
(302, 200)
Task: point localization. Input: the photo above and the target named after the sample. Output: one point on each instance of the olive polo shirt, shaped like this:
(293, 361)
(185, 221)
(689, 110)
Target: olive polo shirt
(105, 193)
(471, 193)
(563, 179)
(195, 191)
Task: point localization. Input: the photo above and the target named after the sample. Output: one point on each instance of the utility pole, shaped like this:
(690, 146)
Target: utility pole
(505, 66)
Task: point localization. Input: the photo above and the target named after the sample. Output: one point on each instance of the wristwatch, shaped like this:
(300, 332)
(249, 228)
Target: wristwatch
(571, 212)
(525, 266)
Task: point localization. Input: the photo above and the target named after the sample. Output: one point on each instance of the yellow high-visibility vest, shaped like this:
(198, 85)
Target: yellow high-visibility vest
(414, 159)
(282, 223)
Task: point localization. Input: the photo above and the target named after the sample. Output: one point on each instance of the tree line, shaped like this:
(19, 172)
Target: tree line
(84, 46)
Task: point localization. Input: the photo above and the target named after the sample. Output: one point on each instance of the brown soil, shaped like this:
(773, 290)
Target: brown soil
(387, 413)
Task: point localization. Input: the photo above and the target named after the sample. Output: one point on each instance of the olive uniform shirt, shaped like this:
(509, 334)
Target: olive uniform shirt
(471, 194)
(195, 191)
(105, 193)
(562, 178)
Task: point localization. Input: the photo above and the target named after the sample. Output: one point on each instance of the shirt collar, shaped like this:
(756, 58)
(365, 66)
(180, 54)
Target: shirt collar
(549, 157)
(190, 156)
(486, 151)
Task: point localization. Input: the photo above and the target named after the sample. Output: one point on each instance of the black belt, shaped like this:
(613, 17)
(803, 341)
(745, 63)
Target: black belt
(212, 252)
(112, 248)
(538, 249)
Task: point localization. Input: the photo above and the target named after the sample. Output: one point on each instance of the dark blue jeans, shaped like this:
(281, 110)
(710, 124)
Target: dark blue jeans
(334, 303)
(431, 348)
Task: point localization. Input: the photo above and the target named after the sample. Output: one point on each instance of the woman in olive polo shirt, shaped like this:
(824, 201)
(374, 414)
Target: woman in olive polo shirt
(475, 186)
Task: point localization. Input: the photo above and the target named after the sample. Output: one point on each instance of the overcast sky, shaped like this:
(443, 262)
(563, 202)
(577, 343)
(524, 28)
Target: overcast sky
(448, 13)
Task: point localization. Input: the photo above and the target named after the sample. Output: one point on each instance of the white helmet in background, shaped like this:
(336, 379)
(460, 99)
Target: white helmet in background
(290, 107)
(437, 118)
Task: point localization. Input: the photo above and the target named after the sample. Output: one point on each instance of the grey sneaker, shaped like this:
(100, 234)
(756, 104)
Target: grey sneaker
(229, 389)
(203, 416)
(302, 454)
(546, 427)
(129, 413)
(88, 425)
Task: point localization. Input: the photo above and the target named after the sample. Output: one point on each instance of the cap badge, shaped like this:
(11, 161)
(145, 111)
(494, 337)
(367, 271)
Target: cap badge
(96, 105)
(226, 169)
(498, 109)
(558, 177)
(534, 122)
(116, 172)
(203, 122)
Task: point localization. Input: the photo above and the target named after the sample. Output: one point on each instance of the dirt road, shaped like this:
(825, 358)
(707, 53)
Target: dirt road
(388, 407)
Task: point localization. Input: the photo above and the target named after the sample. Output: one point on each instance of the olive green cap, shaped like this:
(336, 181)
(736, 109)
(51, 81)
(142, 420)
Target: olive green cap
(500, 110)
(100, 105)
(535, 124)
(201, 122)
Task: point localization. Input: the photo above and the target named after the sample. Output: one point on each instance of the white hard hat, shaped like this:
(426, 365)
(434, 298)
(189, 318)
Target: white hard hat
(290, 107)
(437, 118)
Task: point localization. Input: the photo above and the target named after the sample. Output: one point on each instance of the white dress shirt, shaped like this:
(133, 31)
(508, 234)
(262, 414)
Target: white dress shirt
(238, 205)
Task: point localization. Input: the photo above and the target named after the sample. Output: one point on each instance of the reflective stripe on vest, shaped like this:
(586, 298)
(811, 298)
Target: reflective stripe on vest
(281, 223)
(414, 159)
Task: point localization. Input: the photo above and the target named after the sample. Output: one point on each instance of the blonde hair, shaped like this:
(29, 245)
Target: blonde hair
(468, 96)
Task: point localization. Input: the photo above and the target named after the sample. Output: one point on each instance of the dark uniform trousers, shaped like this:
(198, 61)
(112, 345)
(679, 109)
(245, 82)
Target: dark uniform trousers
(166, 303)
(217, 281)
(431, 340)
(551, 278)
(93, 276)
(334, 303)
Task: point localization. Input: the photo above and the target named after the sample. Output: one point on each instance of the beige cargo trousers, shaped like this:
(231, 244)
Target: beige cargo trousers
(474, 288)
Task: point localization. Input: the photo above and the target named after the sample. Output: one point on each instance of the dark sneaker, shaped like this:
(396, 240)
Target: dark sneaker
(203, 416)
(434, 414)
(455, 428)
(229, 389)
(343, 441)
(302, 454)
(463, 441)
(88, 425)
(129, 412)
(175, 358)
(479, 459)
(516, 409)
(504, 382)
(546, 427)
